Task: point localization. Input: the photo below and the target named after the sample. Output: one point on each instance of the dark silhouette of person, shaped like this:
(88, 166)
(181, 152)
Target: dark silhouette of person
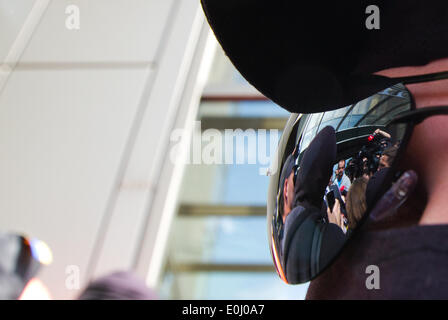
(308, 241)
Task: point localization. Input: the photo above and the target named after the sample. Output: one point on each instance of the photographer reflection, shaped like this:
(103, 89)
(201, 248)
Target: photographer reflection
(374, 155)
(385, 134)
(378, 153)
(387, 157)
(306, 239)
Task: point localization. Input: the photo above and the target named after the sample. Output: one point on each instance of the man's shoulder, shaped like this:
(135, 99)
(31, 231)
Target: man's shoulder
(411, 261)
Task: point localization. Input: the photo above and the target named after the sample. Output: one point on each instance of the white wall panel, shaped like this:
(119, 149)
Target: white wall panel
(12, 16)
(62, 135)
(85, 121)
(150, 152)
(110, 31)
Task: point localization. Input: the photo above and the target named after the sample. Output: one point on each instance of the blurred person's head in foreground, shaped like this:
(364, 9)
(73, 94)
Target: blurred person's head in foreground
(120, 285)
(21, 258)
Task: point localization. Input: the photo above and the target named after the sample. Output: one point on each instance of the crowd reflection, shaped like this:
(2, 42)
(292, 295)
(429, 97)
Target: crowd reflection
(348, 187)
(323, 194)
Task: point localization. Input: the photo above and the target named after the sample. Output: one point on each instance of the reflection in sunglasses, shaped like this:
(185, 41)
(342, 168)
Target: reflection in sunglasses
(337, 175)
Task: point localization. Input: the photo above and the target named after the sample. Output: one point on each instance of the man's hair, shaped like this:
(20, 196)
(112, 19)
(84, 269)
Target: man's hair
(391, 153)
(356, 203)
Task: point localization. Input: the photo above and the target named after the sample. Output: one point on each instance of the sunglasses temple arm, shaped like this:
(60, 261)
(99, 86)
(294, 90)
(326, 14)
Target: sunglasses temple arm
(423, 78)
(417, 116)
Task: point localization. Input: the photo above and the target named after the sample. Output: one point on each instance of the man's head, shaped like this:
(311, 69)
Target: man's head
(342, 59)
(340, 169)
(426, 152)
(429, 138)
(387, 157)
(385, 162)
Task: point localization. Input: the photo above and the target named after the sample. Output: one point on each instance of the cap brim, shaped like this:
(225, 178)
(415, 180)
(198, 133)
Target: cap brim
(310, 56)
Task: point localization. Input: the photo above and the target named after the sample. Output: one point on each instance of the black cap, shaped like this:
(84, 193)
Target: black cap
(313, 56)
(316, 169)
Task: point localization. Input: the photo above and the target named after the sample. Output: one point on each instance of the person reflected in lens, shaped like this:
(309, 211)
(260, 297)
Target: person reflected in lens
(341, 179)
(378, 152)
(307, 238)
(384, 134)
(415, 231)
(356, 202)
(335, 206)
(387, 157)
